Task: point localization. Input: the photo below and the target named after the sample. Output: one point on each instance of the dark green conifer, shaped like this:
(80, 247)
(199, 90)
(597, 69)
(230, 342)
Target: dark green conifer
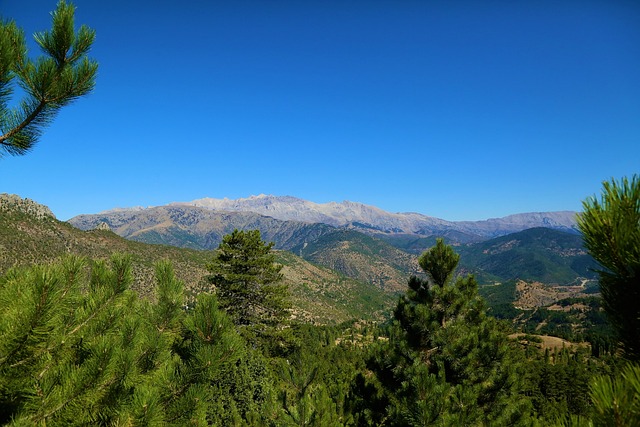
(85, 350)
(246, 280)
(77, 353)
(446, 361)
(220, 381)
(611, 232)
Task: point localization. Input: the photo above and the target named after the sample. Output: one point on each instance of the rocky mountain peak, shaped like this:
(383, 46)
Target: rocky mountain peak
(12, 202)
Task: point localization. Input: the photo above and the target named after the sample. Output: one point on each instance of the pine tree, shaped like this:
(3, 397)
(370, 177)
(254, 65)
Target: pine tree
(314, 382)
(245, 276)
(611, 232)
(83, 349)
(75, 351)
(219, 380)
(446, 361)
(64, 74)
(616, 401)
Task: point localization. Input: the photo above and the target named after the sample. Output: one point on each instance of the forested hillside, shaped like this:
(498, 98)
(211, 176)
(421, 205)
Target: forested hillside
(27, 236)
(537, 254)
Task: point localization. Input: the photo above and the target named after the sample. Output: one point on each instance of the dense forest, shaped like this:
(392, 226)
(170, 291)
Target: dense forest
(78, 347)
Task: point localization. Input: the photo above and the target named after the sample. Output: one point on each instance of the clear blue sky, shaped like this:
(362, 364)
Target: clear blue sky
(461, 110)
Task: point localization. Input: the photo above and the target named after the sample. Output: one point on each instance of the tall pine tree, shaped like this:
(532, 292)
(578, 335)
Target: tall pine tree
(446, 362)
(246, 280)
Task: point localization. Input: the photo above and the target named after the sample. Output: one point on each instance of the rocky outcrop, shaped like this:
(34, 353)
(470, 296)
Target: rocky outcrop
(103, 226)
(12, 202)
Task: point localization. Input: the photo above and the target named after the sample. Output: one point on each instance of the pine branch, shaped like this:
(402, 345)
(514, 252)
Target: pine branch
(51, 83)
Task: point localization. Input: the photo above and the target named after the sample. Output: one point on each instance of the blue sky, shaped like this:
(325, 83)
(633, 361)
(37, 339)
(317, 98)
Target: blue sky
(461, 110)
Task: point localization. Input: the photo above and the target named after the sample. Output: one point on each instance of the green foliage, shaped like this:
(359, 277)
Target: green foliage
(64, 74)
(304, 400)
(616, 401)
(245, 277)
(314, 381)
(446, 362)
(77, 347)
(558, 383)
(439, 262)
(220, 381)
(75, 351)
(499, 298)
(499, 293)
(611, 230)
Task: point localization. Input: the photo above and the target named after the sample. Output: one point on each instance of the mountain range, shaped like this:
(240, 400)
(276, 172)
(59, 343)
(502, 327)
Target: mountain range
(333, 272)
(371, 219)
(360, 241)
(200, 228)
(30, 233)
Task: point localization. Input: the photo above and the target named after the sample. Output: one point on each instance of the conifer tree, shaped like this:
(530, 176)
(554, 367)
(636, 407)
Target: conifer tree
(77, 352)
(304, 392)
(616, 401)
(246, 280)
(78, 349)
(611, 231)
(62, 75)
(219, 381)
(446, 361)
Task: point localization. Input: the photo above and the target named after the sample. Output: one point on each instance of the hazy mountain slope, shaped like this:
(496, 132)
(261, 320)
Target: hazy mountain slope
(198, 228)
(289, 208)
(540, 254)
(493, 227)
(318, 294)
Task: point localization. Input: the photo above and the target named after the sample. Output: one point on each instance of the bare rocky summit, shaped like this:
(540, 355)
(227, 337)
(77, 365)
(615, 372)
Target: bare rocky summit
(371, 219)
(12, 202)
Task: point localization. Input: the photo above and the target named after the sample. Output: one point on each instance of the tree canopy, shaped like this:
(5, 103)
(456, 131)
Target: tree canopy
(446, 361)
(246, 280)
(63, 74)
(611, 232)
(83, 349)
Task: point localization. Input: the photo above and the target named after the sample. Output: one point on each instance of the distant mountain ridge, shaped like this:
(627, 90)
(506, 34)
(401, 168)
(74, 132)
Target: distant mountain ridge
(370, 219)
(359, 241)
(200, 228)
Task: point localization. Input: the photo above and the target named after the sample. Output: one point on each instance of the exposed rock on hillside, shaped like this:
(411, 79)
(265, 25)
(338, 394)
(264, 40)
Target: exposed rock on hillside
(12, 202)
